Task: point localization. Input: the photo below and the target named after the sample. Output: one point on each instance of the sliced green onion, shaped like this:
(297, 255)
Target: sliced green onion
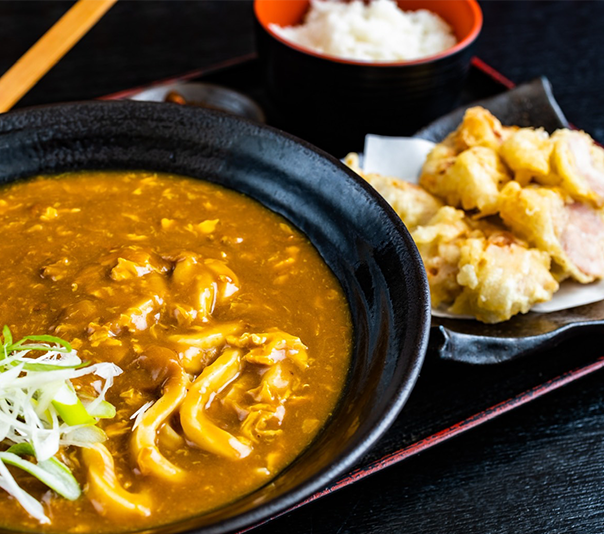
(85, 436)
(101, 410)
(32, 506)
(7, 336)
(40, 411)
(55, 474)
(22, 449)
(64, 346)
(52, 366)
(70, 407)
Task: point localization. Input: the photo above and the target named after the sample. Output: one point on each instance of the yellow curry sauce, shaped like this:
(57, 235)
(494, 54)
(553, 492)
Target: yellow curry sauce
(233, 336)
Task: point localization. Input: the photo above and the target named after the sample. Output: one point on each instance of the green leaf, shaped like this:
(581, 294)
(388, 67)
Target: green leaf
(55, 474)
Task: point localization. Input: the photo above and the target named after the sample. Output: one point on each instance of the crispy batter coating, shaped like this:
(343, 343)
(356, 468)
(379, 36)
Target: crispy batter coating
(413, 204)
(500, 277)
(438, 161)
(478, 128)
(438, 243)
(527, 152)
(472, 182)
(481, 270)
(542, 195)
(466, 169)
(571, 232)
(352, 160)
(579, 165)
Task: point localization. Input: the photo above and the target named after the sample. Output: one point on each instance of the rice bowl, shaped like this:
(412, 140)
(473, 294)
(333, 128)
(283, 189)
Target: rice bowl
(379, 31)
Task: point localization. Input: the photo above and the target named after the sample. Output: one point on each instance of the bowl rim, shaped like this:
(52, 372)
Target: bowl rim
(464, 43)
(34, 118)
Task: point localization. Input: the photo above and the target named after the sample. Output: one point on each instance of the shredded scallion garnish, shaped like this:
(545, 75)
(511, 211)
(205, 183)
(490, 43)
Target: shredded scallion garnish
(40, 411)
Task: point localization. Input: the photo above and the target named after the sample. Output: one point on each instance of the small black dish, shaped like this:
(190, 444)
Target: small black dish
(359, 236)
(530, 104)
(205, 95)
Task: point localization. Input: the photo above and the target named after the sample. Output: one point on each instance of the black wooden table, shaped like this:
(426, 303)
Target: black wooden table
(538, 468)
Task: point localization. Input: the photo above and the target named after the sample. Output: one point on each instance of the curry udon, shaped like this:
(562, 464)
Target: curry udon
(225, 340)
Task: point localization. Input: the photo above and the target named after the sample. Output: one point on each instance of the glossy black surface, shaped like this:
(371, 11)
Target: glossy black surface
(359, 237)
(335, 104)
(539, 469)
(531, 104)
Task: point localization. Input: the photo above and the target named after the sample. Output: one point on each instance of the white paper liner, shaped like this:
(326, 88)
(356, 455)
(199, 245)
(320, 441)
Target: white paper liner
(403, 157)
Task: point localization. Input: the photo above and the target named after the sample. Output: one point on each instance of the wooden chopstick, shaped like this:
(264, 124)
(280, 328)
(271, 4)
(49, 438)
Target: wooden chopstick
(49, 49)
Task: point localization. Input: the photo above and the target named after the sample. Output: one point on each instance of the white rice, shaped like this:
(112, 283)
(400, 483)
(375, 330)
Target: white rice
(379, 31)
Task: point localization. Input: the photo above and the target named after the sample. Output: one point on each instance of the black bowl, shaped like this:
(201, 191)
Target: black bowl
(334, 102)
(359, 236)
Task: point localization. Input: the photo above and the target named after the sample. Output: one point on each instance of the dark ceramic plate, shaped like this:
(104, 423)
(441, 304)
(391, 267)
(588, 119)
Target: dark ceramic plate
(358, 235)
(531, 104)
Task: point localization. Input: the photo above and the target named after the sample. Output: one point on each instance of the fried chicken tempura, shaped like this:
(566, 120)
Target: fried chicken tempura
(527, 152)
(571, 232)
(579, 166)
(438, 161)
(478, 128)
(534, 215)
(472, 181)
(413, 204)
(478, 269)
(438, 243)
(500, 277)
(465, 170)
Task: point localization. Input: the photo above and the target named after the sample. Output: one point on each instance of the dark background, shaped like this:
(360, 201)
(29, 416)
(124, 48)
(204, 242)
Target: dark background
(140, 41)
(537, 469)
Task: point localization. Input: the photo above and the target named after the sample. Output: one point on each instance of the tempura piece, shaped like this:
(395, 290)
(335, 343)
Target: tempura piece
(480, 269)
(438, 161)
(500, 277)
(472, 182)
(414, 205)
(438, 243)
(479, 127)
(352, 160)
(527, 152)
(571, 232)
(579, 163)
(543, 198)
